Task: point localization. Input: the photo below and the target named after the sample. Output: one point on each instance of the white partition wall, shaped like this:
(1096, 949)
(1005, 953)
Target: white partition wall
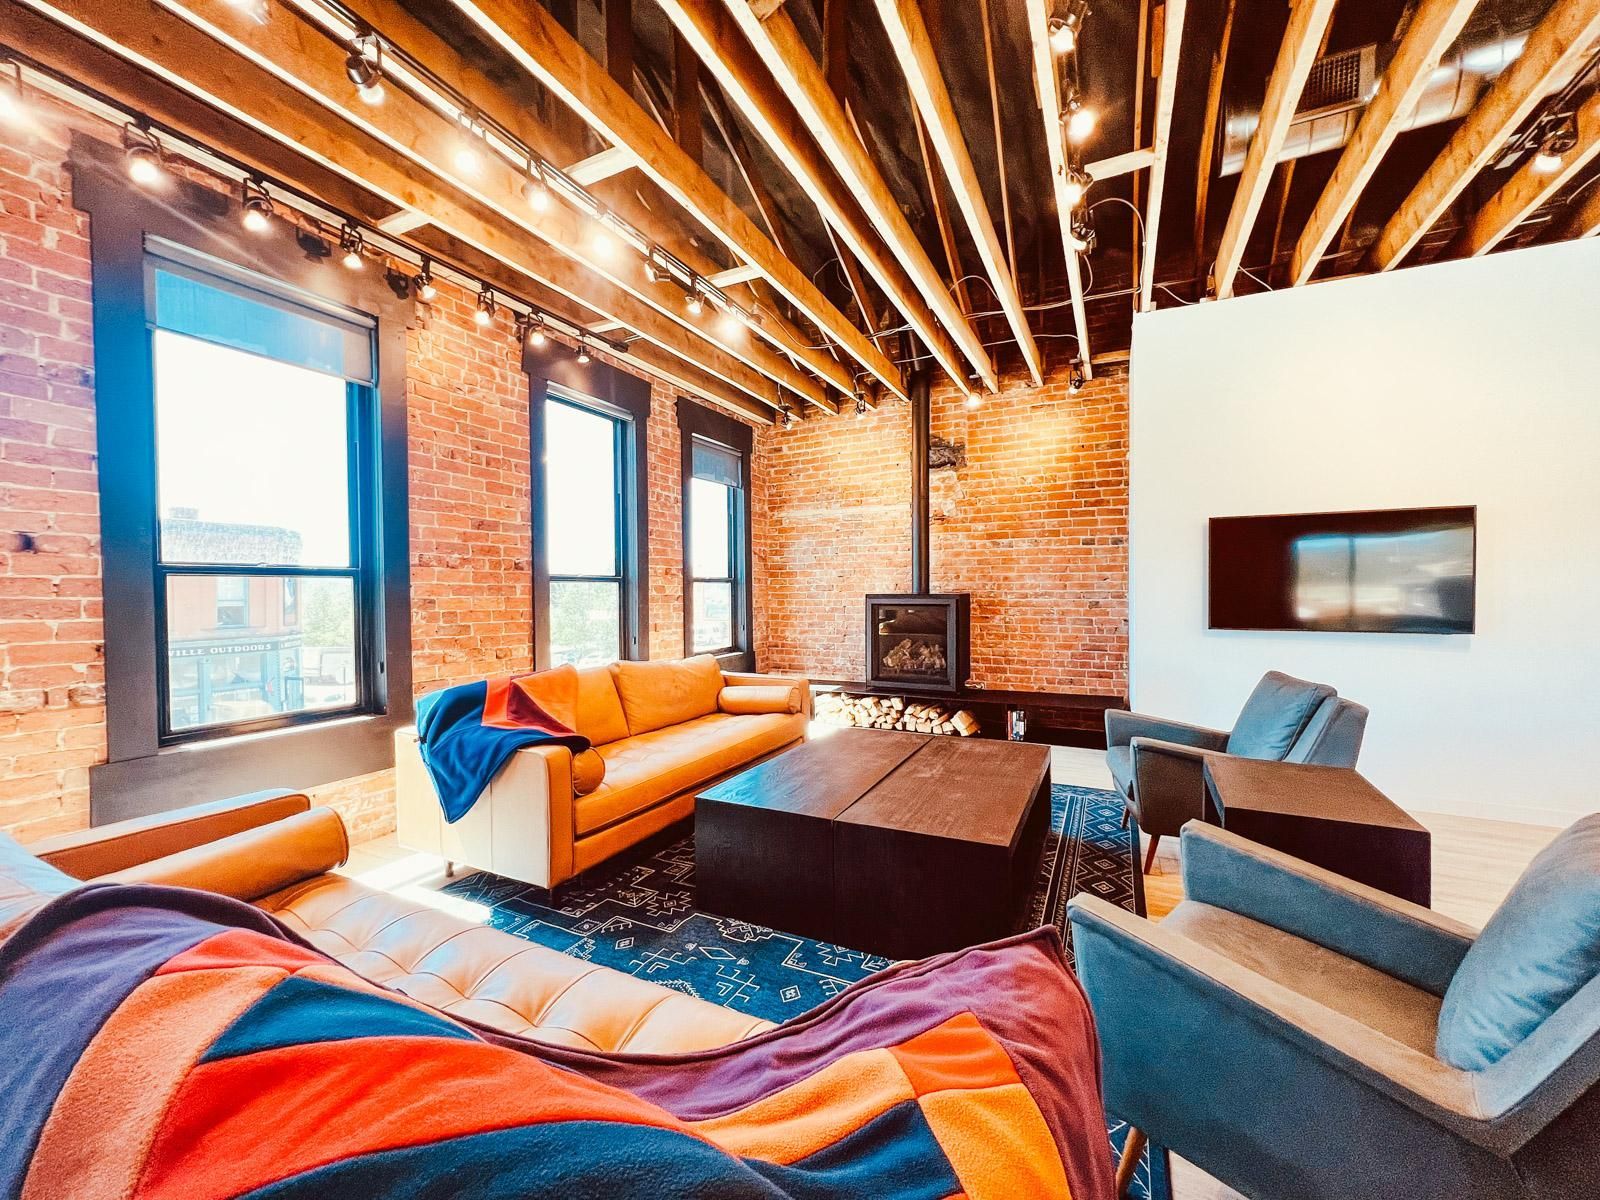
(1471, 382)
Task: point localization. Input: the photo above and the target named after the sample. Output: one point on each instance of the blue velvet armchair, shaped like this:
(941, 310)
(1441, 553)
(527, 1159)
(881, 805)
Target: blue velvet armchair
(1157, 763)
(1303, 1037)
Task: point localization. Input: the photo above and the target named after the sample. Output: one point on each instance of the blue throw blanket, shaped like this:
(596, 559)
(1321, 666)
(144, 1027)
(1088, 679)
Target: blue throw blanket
(469, 732)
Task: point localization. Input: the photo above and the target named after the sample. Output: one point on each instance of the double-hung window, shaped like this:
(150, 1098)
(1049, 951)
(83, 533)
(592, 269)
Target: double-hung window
(586, 499)
(264, 515)
(716, 526)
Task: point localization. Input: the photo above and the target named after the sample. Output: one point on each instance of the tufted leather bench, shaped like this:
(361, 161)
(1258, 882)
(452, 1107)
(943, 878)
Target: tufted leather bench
(276, 851)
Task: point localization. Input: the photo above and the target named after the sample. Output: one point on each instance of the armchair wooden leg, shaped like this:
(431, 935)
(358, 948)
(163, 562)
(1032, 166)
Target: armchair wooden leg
(1132, 1152)
(1150, 854)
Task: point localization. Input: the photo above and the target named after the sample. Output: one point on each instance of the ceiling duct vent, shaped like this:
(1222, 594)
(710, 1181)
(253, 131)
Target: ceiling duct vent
(1341, 86)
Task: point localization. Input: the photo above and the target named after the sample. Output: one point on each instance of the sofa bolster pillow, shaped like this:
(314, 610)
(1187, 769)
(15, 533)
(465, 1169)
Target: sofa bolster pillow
(253, 863)
(588, 772)
(747, 699)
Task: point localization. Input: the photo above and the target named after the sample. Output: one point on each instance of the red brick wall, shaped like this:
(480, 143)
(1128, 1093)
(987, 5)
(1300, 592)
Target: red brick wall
(471, 574)
(1034, 526)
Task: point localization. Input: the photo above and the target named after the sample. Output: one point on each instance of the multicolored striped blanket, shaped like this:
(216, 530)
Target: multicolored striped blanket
(158, 1043)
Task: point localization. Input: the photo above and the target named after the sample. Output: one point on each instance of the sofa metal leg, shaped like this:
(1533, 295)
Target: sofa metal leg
(1124, 818)
(1150, 854)
(449, 870)
(1132, 1152)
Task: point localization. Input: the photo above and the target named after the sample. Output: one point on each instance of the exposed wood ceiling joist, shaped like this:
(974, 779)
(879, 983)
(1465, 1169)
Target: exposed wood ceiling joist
(1308, 22)
(1208, 139)
(1047, 90)
(403, 221)
(779, 45)
(554, 142)
(188, 58)
(1585, 222)
(1120, 164)
(1554, 47)
(908, 34)
(1161, 138)
(1529, 188)
(733, 62)
(1433, 26)
(533, 38)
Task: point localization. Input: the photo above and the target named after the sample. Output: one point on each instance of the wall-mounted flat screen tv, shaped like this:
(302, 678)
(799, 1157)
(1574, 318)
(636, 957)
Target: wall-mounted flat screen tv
(1404, 570)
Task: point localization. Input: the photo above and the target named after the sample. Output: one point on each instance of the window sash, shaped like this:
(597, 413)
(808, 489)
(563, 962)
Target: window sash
(622, 428)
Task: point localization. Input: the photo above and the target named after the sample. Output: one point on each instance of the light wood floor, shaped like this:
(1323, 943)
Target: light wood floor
(1475, 862)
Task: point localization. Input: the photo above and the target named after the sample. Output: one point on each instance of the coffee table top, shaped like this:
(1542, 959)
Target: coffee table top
(1301, 790)
(965, 789)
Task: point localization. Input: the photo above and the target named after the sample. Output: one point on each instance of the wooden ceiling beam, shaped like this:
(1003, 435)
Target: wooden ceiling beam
(74, 57)
(1047, 91)
(1308, 21)
(1208, 142)
(779, 45)
(1553, 48)
(1529, 188)
(602, 165)
(745, 80)
(1161, 137)
(1432, 29)
(908, 34)
(546, 51)
(1120, 164)
(187, 57)
(658, 222)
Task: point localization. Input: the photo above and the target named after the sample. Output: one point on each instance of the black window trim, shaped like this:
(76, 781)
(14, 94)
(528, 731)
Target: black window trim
(143, 775)
(553, 373)
(695, 420)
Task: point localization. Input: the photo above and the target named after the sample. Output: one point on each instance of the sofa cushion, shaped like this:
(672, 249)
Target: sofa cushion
(645, 770)
(1274, 715)
(600, 717)
(768, 698)
(658, 694)
(1541, 946)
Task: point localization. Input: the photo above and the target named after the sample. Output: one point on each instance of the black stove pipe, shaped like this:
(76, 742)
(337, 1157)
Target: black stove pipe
(920, 419)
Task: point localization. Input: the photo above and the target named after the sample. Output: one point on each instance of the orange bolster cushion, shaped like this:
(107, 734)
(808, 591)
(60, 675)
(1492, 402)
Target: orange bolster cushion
(588, 772)
(749, 699)
(254, 863)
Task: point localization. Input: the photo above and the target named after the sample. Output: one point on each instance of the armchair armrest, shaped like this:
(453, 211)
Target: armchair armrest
(753, 679)
(1236, 1021)
(106, 849)
(1169, 783)
(1388, 934)
(1123, 726)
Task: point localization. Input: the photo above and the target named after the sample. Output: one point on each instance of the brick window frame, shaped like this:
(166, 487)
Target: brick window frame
(142, 776)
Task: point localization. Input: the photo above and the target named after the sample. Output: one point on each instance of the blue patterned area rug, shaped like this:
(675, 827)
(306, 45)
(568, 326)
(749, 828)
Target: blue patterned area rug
(636, 913)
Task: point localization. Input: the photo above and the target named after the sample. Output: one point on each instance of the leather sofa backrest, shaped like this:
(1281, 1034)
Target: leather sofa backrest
(1333, 736)
(1275, 715)
(600, 716)
(658, 694)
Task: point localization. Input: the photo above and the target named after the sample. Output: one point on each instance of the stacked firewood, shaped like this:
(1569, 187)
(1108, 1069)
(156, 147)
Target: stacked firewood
(893, 712)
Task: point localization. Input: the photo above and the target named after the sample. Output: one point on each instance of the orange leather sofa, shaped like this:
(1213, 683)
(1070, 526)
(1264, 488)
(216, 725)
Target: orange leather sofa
(276, 851)
(661, 731)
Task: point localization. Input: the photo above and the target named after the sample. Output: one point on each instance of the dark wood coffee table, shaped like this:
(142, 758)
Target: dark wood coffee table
(899, 844)
(1330, 816)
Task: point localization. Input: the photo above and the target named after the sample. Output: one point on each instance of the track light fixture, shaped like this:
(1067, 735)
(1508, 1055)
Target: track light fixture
(258, 207)
(601, 239)
(1075, 380)
(861, 403)
(1081, 237)
(1080, 120)
(1077, 186)
(426, 289)
(486, 307)
(785, 415)
(364, 71)
(692, 302)
(582, 357)
(1063, 37)
(535, 190)
(535, 334)
(1560, 141)
(142, 154)
(974, 401)
(352, 245)
(467, 158)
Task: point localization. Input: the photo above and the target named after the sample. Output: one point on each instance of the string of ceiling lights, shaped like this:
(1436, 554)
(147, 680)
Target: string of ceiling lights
(146, 159)
(1078, 119)
(373, 63)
